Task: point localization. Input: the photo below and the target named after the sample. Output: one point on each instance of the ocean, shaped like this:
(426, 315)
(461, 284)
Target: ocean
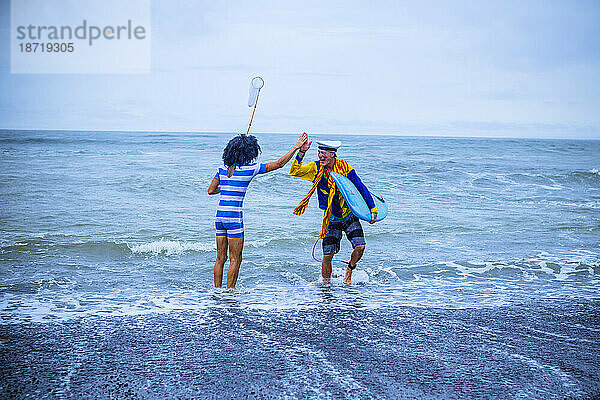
(482, 283)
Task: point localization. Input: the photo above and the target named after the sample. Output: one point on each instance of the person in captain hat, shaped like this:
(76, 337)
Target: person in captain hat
(338, 217)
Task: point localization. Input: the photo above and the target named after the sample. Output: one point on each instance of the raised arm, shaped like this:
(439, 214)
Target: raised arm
(273, 165)
(304, 171)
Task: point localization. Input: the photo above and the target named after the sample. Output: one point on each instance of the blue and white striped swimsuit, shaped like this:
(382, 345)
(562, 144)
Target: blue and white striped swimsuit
(229, 220)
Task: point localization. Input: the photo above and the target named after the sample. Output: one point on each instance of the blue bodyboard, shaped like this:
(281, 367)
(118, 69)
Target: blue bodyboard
(355, 201)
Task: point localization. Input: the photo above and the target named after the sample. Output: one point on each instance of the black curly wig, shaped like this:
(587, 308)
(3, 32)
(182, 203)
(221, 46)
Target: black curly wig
(241, 150)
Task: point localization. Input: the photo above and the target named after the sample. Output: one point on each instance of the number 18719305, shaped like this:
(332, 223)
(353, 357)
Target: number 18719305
(47, 47)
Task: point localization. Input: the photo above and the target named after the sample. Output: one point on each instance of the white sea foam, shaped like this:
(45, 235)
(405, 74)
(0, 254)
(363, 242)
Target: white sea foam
(171, 247)
(550, 187)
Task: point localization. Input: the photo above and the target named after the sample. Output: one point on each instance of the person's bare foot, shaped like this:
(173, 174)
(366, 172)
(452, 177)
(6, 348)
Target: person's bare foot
(348, 277)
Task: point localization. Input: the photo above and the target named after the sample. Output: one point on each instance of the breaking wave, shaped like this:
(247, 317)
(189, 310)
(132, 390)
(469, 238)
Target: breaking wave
(171, 247)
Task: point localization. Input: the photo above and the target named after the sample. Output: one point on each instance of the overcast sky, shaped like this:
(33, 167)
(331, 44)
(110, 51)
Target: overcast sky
(516, 69)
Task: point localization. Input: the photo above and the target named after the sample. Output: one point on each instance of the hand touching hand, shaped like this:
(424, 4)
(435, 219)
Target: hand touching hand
(301, 141)
(306, 144)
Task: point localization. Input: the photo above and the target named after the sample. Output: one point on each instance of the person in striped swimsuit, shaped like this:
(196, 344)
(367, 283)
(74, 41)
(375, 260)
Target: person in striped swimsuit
(231, 181)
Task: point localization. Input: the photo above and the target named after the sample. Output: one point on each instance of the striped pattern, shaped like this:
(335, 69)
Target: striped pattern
(232, 230)
(233, 191)
(341, 167)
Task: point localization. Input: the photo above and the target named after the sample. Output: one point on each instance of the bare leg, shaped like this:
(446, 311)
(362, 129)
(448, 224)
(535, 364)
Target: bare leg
(326, 267)
(221, 258)
(236, 246)
(354, 258)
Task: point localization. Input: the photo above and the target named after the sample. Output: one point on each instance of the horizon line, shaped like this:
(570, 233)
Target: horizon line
(295, 133)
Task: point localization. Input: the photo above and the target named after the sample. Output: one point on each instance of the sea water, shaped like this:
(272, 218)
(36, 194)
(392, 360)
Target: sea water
(483, 281)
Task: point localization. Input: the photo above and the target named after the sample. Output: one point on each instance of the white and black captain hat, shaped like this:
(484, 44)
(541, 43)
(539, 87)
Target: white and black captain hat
(329, 145)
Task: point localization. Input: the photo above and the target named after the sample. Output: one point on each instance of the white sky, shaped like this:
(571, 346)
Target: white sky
(529, 69)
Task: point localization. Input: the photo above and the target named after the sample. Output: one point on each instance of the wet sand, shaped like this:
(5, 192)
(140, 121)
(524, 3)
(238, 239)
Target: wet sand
(541, 350)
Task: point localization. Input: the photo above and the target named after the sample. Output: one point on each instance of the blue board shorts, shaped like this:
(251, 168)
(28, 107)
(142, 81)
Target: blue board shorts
(354, 233)
(232, 230)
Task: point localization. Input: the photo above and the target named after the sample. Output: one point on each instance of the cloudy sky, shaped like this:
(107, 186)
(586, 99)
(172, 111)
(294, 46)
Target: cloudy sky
(515, 69)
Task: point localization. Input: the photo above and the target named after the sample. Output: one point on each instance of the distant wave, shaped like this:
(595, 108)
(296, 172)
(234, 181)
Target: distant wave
(592, 175)
(171, 247)
(541, 180)
(111, 248)
(54, 140)
(42, 244)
